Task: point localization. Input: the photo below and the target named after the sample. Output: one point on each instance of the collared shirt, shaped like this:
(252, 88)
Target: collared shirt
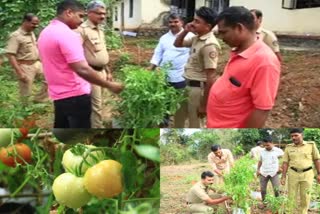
(301, 157)
(257, 69)
(224, 163)
(166, 53)
(198, 193)
(255, 152)
(23, 45)
(269, 38)
(203, 55)
(270, 161)
(94, 44)
(60, 46)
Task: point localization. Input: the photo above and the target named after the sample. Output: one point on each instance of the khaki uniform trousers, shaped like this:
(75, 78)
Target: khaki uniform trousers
(207, 209)
(189, 108)
(96, 102)
(300, 183)
(181, 114)
(25, 88)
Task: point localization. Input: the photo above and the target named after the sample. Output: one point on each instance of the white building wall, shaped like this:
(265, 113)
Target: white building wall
(151, 10)
(144, 11)
(296, 21)
(129, 22)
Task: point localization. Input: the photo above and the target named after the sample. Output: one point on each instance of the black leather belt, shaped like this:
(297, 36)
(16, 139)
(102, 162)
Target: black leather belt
(195, 83)
(97, 68)
(301, 170)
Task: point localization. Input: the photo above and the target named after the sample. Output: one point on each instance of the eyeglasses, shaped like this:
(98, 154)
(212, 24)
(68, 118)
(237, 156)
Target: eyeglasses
(99, 13)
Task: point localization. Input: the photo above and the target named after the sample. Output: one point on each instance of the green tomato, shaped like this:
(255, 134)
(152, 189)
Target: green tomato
(5, 137)
(69, 191)
(73, 157)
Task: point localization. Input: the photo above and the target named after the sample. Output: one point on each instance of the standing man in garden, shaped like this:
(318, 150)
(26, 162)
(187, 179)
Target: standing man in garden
(268, 167)
(166, 54)
(298, 164)
(245, 94)
(95, 51)
(267, 36)
(200, 200)
(23, 56)
(221, 161)
(200, 71)
(66, 70)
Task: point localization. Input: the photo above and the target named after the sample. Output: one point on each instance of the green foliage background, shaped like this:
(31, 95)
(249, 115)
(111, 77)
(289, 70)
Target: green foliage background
(177, 146)
(11, 14)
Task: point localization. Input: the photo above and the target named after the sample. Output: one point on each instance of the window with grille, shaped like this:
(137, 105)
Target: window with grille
(300, 4)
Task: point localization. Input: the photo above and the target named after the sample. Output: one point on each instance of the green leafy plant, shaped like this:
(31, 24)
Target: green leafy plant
(113, 39)
(237, 182)
(276, 204)
(146, 99)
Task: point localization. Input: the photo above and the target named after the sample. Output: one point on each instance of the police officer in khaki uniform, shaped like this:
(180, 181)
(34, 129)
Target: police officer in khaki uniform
(23, 56)
(96, 54)
(221, 161)
(200, 200)
(297, 161)
(200, 71)
(268, 37)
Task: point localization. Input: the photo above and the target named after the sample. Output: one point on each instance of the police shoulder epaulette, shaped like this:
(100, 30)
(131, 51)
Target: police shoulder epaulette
(310, 142)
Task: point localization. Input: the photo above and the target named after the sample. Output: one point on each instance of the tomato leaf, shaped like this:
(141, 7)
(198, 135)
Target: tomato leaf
(149, 152)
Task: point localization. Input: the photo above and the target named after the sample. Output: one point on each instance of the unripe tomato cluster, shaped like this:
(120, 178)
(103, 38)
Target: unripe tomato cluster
(87, 175)
(18, 153)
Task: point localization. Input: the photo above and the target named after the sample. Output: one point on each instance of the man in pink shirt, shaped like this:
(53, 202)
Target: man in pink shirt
(66, 69)
(243, 96)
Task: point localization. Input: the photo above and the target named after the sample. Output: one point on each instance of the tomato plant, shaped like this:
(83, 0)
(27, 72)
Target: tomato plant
(104, 179)
(237, 182)
(146, 99)
(69, 191)
(128, 160)
(73, 159)
(18, 153)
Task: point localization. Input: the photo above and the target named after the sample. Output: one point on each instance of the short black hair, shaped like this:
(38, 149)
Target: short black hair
(267, 139)
(235, 15)
(69, 4)
(296, 130)
(257, 12)
(208, 15)
(28, 17)
(215, 148)
(206, 174)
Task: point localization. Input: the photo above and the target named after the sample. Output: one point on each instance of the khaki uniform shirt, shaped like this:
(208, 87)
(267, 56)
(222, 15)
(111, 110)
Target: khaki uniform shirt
(94, 44)
(23, 45)
(224, 163)
(203, 55)
(269, 38)
(198, 193)
(301, 157)
(255, 152)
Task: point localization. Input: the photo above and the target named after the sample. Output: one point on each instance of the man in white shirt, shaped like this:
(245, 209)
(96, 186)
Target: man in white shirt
(221, 161)
(268, 167)
(167, 54)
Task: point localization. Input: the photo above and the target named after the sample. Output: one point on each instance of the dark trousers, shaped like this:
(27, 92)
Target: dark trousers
(73, 112)
(264, 183)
